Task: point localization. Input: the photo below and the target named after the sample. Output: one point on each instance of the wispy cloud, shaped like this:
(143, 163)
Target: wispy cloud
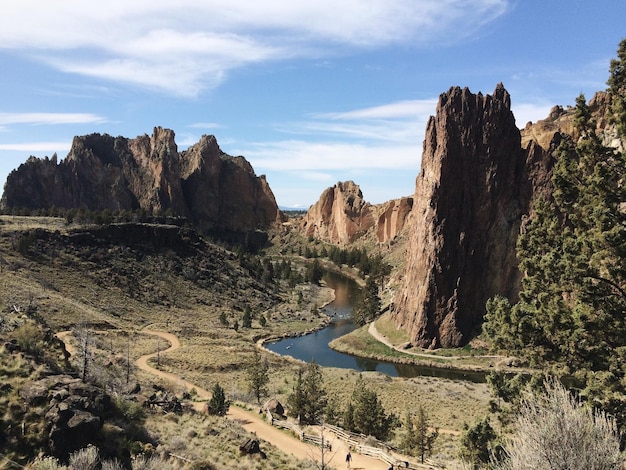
(38, 146)
(187, 46)
(387, 136)
(49, 118)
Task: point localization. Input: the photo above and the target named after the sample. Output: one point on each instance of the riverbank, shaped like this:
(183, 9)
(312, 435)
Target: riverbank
(369, 342)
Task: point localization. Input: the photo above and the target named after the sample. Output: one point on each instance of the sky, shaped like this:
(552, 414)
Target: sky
(311, 92)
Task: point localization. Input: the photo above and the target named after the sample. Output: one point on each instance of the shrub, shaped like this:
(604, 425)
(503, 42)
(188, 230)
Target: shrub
(554, 431)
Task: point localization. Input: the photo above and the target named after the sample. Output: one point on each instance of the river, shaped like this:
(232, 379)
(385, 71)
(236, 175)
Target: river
(314, 346)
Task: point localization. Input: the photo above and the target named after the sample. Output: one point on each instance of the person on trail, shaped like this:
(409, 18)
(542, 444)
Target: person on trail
(348, 459)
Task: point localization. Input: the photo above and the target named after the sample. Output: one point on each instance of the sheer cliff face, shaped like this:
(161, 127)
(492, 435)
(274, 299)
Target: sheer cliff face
(216, 191)
(340, 216)
(475, 184)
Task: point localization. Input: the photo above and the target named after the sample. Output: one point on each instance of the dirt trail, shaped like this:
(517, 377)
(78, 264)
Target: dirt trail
(378, 336)
(253, 423)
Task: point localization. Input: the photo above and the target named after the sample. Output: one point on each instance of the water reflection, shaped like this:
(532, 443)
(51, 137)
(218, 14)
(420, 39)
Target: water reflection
(314, 346)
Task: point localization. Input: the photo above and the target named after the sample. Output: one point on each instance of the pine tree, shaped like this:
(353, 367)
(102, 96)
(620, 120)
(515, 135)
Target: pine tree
(368, 415)
(308, 400)
(424, 437)
(573, 299)
(296, 400)
(367, 306)
(258, 376)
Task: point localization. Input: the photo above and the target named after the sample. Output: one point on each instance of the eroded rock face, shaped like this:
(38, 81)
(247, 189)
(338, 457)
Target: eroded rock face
(392, 217)
(475, 185)
(214, 190)
(340, 216)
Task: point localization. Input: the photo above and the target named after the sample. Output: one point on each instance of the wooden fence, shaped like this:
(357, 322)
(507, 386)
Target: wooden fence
(313, 439)
(354, 441)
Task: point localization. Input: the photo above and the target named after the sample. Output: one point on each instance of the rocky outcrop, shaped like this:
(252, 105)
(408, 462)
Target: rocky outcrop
(214, 190)
(340, 216)
(75, 411)
(475, 185)
(392, 217)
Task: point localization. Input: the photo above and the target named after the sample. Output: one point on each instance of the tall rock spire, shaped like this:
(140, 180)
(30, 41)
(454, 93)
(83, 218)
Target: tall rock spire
(470, 196)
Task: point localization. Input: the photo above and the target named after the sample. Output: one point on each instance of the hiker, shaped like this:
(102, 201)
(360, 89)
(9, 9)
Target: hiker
(348, 459)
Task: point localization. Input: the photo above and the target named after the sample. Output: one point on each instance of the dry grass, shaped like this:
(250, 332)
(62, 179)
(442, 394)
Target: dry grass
(66, 288)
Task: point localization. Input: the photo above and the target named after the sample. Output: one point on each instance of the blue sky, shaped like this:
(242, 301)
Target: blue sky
(311, 92)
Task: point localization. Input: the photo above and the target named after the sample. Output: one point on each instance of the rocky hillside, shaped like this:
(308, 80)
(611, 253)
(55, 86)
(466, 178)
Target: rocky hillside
(341, 216)
(215, 191)
(475, 186)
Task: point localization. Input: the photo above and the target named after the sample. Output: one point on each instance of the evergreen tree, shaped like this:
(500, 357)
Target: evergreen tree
(314, 393)
(477, 443)
(258, 376)
(308, 400)
(617, 88)
(314, 272)
(368, 415)
(424, 438)
(367, 305)
(218, 405)
(573, 298)
(246, 320)
(296, 400)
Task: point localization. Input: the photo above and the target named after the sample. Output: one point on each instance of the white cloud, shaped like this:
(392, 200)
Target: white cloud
(49, 118)
(533, 112)
(299, 155)
(186, 46)
(38, 146)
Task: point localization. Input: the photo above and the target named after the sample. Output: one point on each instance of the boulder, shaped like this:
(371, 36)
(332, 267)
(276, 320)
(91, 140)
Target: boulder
(275, 407)
(252, 447)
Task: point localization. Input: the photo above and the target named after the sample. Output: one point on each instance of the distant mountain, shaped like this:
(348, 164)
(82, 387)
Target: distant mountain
(215, 191)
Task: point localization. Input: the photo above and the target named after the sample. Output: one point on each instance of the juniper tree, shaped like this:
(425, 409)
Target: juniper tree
(218, 405)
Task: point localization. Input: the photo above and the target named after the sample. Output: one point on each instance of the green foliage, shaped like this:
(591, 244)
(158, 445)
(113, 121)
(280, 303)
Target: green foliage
(478, 443)
(367, 413)
(418, 439)
(367, 305)
(218, 405)
(258, 376)
(246, 320)
(223, 319)
(573, 298)
(262, 320)
(617, 88)
(308, 400)
(314, 272)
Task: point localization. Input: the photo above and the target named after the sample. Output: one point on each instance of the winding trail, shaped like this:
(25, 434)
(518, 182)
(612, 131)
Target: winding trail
(252, 422)
(378, 336)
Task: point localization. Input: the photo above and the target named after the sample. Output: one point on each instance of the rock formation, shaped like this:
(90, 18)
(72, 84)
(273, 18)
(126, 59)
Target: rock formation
(214, 190)
(475, 185)
(340, 216)
(392, 218)
(75, 411)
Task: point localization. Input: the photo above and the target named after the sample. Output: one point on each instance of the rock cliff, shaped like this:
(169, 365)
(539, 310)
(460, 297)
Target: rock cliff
(214, 190)
(475, 185)
(341, 216)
